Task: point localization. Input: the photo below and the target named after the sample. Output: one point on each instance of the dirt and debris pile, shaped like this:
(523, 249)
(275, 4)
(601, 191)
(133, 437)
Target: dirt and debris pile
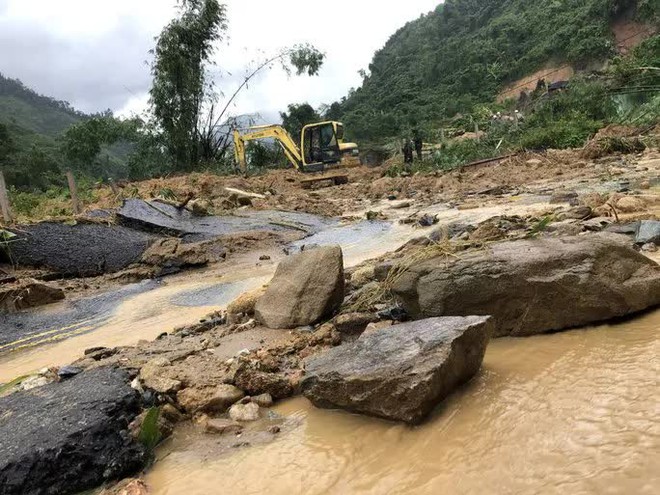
(305, 288)
(535, 286)
(172, 255)
(27, 294)
(614, 139)
(401, 372)
(71, 436)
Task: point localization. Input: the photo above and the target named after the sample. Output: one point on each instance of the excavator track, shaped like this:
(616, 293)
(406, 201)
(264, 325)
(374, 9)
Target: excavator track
(337, 179)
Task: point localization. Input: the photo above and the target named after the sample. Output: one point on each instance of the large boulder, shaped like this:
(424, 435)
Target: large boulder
(69, 437)
(306, 287)
(535, 286)
(401, 372)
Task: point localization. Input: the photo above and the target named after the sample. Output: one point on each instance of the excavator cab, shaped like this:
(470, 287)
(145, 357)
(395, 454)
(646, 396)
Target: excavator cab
(320, 144)
(323, 147)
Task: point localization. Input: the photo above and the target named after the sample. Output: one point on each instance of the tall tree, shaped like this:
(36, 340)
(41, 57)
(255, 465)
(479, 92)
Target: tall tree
(298, 116)
(195, 125)
(180, 81)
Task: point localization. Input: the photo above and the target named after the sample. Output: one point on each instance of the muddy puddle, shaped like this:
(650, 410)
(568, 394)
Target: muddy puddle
(120, 317)
(575, 412)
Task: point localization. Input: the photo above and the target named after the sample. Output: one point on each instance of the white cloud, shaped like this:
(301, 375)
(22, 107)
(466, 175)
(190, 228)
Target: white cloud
(92, 53)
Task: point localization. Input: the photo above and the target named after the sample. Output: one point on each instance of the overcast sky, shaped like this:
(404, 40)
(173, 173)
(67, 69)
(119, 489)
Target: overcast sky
(94, 53)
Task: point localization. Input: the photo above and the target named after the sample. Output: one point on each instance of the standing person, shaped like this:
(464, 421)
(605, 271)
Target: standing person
(418, 146)
(407, 151)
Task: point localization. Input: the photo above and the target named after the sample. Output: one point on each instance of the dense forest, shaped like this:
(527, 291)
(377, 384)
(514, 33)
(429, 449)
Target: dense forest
(461, 54)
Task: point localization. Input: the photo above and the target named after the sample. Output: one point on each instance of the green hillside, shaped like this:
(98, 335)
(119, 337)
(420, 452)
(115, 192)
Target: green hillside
(32, 127)
(24, 108)
(462, 53)
(29, 127)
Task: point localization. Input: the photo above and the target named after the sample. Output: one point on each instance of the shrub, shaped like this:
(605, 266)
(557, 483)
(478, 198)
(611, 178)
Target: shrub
(571, 131)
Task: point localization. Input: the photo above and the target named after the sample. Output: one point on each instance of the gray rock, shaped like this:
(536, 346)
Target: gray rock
(306, 288)
(596, 224)
(648, 232)
(623, 228)
(69, 437)
(353, 323)
(564, 227)
(66, 372)
(263, 400)
(244, 412)
(535, 286)
(401, 372)
(225, 396)
(575, 213)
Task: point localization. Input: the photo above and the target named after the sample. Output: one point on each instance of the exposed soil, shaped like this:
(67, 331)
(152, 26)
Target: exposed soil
(527, 172)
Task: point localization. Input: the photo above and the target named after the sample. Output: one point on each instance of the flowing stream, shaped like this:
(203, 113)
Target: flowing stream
(575, 412)
(59, 333)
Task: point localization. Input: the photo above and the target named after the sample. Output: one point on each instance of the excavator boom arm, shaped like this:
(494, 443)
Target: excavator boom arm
(276, 132)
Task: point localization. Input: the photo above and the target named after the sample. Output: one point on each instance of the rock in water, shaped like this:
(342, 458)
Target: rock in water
(224, 397)
(69, 437)
(401, 372)
(244, 412)
(306, 287)
(535, 286)
(222, 426)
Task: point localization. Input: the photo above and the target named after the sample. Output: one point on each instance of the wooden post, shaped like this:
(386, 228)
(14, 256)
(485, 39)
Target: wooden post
(476, 131)
(4, 199)
(74, 192)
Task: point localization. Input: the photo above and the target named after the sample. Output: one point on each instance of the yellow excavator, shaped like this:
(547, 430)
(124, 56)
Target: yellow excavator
(322, 149)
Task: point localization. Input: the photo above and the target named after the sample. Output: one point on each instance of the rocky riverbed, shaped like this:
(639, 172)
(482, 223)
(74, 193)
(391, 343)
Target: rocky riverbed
(343, 335)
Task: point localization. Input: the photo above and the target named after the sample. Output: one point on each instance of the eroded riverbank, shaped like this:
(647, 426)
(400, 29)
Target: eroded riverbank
(58, 334)
(572, 412)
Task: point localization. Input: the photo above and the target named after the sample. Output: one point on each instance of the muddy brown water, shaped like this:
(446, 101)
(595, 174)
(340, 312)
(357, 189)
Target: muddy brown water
(575, 412)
